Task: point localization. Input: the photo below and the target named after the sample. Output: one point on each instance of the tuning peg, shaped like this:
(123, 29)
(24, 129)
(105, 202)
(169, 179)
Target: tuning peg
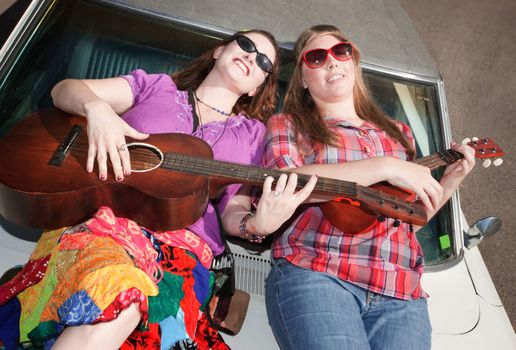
(498, 162)
(466, 141)
(486, 163)
(474, 138)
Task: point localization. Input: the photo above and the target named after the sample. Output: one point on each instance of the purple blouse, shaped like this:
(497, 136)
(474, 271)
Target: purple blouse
(159, 107)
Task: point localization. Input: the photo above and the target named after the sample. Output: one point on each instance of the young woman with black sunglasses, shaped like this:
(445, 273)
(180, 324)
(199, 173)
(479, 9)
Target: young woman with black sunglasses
(109, 283)
(333, 289)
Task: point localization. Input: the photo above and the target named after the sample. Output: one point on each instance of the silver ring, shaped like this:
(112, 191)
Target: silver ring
(276, 193)
(122, 147)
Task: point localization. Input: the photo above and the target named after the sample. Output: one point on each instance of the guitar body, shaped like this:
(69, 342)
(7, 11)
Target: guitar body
(349, 216)
(37, 194)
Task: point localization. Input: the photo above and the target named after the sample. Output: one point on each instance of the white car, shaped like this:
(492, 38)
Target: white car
(57, 39)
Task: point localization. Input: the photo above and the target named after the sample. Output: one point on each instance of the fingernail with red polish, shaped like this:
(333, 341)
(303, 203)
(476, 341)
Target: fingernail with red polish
(102, 177)
(119, 178)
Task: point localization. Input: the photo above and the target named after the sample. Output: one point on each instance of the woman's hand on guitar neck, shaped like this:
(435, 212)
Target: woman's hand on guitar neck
(106, 138)
(456, 172)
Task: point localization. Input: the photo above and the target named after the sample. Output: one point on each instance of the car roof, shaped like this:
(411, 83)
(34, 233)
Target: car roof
(381, 28)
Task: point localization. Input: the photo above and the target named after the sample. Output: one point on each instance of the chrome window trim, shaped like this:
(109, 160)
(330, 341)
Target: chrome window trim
(399, 74)
(455, 199)
(30, 19)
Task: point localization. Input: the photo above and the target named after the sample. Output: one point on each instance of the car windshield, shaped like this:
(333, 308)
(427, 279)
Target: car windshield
(89, 39)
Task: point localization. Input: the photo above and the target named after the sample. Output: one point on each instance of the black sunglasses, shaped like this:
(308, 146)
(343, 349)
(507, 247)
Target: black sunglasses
(262, 61)
(317, 58)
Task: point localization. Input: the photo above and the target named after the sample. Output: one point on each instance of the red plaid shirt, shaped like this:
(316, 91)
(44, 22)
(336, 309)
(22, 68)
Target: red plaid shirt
(387, 260)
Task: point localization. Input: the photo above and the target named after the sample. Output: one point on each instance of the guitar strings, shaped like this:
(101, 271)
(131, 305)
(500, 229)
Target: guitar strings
(201, 165)
(141, 156)
(387, 199)
(208, 166)
(330, 185)
(435, 160)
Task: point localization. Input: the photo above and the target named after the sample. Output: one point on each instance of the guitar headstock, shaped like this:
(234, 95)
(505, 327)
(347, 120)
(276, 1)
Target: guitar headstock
(486, 149)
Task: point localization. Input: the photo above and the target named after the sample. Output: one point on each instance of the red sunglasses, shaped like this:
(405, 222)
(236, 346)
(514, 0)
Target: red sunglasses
(317, 58)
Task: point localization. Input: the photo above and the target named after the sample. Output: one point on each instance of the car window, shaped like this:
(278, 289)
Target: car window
(86, 39)
(416, 104)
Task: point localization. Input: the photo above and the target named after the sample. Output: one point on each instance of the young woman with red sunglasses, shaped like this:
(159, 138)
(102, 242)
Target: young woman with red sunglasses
(330, 289)
(109, 283)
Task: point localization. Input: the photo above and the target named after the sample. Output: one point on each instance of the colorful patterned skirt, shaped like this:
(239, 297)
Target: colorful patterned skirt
(77, 277)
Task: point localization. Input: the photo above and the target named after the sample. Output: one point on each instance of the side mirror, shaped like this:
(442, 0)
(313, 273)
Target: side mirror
(480, 230)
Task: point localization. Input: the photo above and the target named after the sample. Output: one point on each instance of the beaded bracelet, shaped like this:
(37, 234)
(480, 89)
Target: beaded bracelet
(251, 237)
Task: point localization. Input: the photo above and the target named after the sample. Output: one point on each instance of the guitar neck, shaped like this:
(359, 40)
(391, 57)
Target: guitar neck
(440, 159)
(251, 175)
(370, 199)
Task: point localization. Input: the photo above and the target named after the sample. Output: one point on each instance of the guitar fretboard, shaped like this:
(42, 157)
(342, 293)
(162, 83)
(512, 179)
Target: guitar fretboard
(439, 159)
(249, 174)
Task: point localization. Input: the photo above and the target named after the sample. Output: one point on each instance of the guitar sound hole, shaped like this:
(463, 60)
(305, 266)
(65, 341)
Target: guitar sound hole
(144, 157)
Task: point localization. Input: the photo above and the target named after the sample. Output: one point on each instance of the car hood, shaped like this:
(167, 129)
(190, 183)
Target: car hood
(453, 303)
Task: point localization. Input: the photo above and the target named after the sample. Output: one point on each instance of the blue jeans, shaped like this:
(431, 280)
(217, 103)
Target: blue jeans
(314, 310)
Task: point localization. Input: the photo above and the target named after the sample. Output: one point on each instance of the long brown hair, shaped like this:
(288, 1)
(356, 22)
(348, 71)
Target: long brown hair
(301, 106)
(261, 105)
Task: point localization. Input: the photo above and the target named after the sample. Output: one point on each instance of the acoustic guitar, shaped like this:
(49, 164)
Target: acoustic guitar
(43, 181)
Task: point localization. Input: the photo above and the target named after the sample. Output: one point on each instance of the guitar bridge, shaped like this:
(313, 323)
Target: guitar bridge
(64, 148)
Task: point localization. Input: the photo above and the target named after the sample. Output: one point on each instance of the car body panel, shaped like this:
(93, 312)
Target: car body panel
(480, 276)
(13, 250)
(493, 331)
(452, 303)
(478, 272)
